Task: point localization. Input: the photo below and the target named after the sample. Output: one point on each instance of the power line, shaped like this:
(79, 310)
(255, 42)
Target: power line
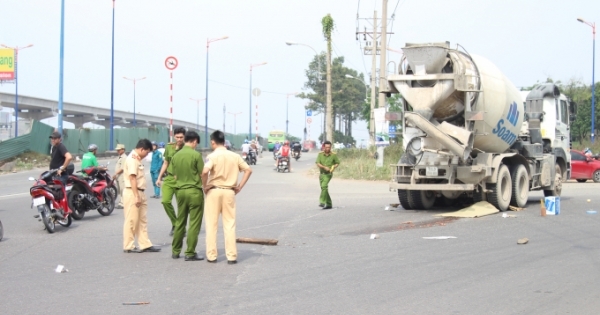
(246, 88)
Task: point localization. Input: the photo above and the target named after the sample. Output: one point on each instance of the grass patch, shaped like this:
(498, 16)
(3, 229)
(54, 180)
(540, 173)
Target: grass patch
(27, 161)
(595, 147)
(359, 164)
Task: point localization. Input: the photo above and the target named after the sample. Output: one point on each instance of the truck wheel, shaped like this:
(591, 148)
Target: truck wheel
(405, 200)
(502, 190)
(479, 196)
(520, 186)
(596, 176)
(557, 183)
(423, 199)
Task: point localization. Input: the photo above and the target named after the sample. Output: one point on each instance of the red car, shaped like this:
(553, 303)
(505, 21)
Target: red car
(582, 169)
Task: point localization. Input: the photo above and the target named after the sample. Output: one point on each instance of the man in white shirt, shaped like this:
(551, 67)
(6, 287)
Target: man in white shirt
(246, 147)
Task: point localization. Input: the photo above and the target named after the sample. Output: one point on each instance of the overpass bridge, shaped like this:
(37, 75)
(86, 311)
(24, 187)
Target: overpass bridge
(34, 108)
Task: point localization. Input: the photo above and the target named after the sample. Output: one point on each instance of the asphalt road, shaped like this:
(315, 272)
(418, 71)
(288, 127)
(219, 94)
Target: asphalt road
(325, 262)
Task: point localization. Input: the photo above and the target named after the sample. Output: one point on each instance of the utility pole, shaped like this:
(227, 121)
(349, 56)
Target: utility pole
(374, 48)
(373, 81)
(382, 58)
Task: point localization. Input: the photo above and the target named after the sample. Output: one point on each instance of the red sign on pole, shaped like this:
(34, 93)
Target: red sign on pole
(308, 120)
(171, 63)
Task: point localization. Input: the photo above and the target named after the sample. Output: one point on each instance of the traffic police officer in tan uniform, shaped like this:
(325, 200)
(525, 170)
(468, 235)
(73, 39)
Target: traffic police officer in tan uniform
(220, 174)
(136, 202)
(119, 171)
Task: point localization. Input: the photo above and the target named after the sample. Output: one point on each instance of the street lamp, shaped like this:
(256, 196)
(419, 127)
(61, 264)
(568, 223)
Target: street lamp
(234, 121)
(112, 81)
(287, 103)
(198, 113)
(361, 81)
(250, 111)
(208, 41)
(290, 43)
(593, 26)
(134, 81)
(16, 49)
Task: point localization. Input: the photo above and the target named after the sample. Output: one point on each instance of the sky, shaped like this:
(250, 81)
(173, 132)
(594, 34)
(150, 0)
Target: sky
(528, 40)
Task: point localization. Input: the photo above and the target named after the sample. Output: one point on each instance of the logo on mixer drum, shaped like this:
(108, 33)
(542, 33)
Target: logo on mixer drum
(513, 114)
(504, 133)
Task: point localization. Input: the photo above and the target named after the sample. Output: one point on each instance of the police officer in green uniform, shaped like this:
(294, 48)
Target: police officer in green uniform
(168, 185)
(187, 168)
(327, 161)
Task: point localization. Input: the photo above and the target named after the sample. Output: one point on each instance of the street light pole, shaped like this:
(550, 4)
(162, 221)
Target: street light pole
(250, 104)
(61, 66)
(593, 26)
(234, 121)
(134, 81)
(112, 82)
(208, 41)
(287, 121)
(198, 112)
(16, 49)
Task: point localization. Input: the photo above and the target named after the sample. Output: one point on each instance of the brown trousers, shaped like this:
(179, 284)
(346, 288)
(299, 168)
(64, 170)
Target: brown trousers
(220, 202)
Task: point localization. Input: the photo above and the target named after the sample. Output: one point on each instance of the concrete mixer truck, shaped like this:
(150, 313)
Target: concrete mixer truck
(468, 132)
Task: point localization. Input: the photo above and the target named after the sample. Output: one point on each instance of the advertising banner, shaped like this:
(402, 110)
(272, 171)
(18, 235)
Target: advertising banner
(381, 127)
(7, 64)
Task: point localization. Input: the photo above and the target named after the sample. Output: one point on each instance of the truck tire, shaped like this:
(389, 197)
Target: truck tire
(423, 199)
(479, 196)
(501, 191)
(520, 186)
(557, 183)
(405, 200)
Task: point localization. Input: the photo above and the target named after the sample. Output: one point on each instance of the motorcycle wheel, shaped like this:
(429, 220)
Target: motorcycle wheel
(76, 207)
(47, 219)
(1, 231)
(108, 205)
(66, 222)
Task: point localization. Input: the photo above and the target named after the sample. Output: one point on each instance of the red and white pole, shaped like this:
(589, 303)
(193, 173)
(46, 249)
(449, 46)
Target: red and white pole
(171, 110)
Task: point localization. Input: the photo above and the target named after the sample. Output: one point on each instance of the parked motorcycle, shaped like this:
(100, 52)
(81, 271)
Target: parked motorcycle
(49, 197)
(96, 191)
(282, 165)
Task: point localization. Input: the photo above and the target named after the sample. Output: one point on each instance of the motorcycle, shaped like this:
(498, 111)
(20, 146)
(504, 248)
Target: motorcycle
(282, 165)
(250, 157)
(96, 191)
(296, 155)
(49, 197)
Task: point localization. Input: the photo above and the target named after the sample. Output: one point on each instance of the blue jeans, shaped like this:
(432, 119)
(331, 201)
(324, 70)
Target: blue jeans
(154, 179)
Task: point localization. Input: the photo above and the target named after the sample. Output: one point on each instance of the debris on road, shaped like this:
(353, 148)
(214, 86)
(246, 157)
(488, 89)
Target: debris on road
(438, 237)
(523, 241)
(591, 212)
(374, 236)
(261, 241)
(136, 303)
(542, 208)
(479, 209)
(513, 208)
(61, 269)
(506, 215)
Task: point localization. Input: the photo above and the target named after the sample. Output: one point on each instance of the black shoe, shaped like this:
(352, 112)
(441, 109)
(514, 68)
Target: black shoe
(194, 258)
(212, 261)
(129, 251)
(232, 262)
(172, 231)
(327, 207)
(150, 249)
(119, 207)
(321, 205)
(175, 256)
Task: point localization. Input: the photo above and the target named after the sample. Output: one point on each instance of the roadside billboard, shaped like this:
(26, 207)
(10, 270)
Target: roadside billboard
(7, 64)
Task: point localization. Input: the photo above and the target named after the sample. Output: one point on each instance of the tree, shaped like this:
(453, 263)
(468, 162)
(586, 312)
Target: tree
(328, 26)
(347, 96)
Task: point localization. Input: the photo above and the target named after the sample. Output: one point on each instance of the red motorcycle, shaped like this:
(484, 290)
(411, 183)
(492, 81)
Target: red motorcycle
(96, 191)
(49, 197)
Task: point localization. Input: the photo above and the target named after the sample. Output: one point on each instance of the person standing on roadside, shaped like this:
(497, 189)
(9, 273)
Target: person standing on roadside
(187, 170)
(136, 204)
(327, 161)
(60, 156)
(118, 171)
(155, 165)
(220, 174)
(168, 185)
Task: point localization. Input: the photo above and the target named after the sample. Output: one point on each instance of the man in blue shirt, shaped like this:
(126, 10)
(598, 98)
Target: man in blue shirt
(157, 161)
